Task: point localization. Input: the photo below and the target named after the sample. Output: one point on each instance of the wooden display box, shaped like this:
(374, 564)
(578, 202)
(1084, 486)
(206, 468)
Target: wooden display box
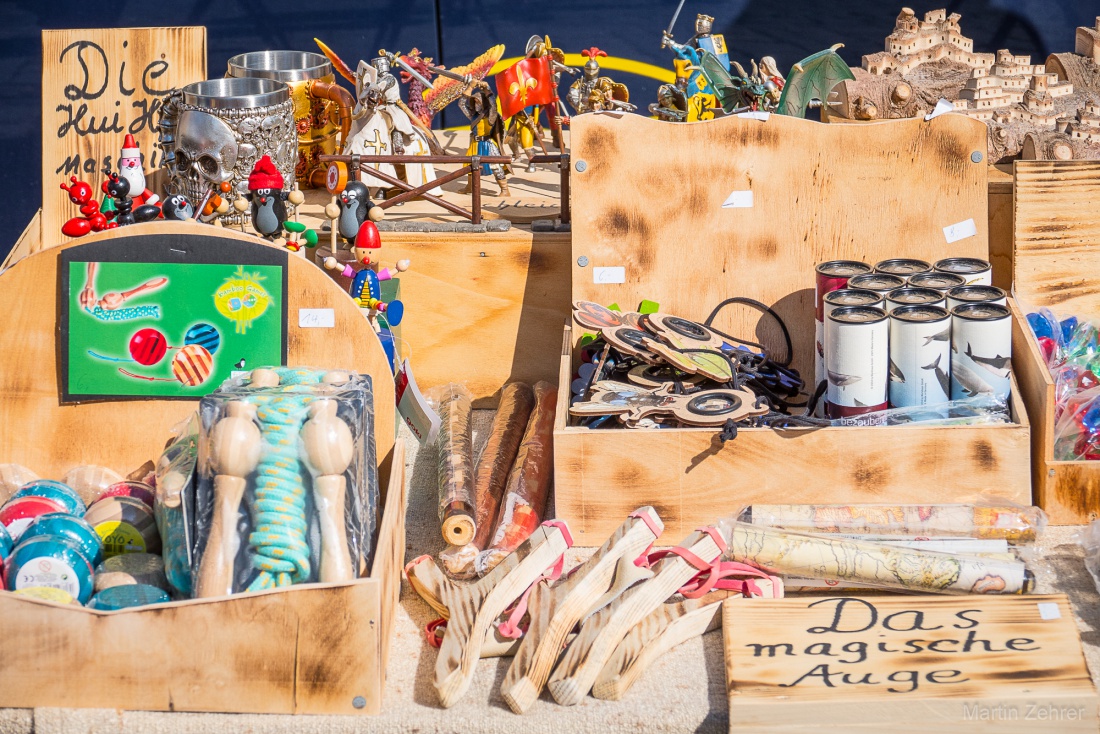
(648, 196)
(318, 649)
(1056, 264)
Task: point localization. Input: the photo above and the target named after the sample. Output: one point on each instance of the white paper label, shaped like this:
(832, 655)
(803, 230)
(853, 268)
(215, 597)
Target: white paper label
(738, 200)
(45, 571)
(1049, 610)
(16, 527)
(609, 275)
(942, 107)
(960, 231)
(413, 408)
(755, 115)
(316, 318)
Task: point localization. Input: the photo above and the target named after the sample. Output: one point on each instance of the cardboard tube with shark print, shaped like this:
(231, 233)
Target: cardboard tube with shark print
(857, 360)
(981, 351)
(881, 565)
(920, 356)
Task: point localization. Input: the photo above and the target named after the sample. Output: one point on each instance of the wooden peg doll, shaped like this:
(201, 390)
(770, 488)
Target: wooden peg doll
(234, 453)
(329, 449)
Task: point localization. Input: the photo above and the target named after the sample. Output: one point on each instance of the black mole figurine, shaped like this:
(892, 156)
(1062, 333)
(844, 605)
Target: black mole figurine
(355, 208)
(268, 200)
(177, 208)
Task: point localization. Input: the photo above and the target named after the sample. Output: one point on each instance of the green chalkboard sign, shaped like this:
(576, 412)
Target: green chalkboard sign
(168, 317)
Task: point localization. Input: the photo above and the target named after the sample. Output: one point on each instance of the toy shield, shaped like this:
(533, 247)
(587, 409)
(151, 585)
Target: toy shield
(716, 44)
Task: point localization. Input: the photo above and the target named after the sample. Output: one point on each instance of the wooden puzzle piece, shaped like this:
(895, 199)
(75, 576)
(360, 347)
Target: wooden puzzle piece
(555, 610)
(656, 375)
(633, 403)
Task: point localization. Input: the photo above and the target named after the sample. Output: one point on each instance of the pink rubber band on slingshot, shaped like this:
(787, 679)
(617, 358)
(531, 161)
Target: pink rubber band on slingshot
(510, 627)
(415, 561)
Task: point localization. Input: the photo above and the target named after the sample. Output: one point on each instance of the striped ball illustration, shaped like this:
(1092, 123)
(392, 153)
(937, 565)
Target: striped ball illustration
(205, 335)
(147, 346)
(192, 365)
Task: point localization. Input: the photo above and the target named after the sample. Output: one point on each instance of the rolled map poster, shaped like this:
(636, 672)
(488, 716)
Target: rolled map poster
(876, 564)
(509, 424)
(456, 463)
(1017, 525)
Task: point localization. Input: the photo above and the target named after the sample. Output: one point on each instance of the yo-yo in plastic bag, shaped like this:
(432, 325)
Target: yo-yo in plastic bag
(1077, 431)
(287, 488)
(978, 410)
(174, 508)
(12, 477)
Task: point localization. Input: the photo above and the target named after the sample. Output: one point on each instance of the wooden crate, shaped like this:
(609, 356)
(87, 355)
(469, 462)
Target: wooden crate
(318, 649)
(650, 200)
(1000, 664)
(1056, 263)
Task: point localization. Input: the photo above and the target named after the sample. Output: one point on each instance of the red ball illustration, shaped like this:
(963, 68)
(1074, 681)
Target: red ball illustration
(147, 346)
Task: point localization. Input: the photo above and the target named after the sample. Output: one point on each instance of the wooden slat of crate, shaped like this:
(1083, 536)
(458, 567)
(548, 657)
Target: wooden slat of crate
(1057, 264)
(481, 309)
(692, 479)
(310, 649)
(650, 199)
(51, 439)
(109, 80)
(1043, 687)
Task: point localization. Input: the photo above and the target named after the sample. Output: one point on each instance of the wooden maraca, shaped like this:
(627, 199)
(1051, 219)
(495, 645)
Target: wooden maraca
(234, 453)
(329, 449)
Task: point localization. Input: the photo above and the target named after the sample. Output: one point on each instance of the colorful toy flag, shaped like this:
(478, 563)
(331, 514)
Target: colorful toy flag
(525, 83)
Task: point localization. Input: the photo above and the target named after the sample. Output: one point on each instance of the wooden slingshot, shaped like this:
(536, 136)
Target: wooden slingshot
(555, 610)
(668, 626)
(474, 608)
(601, 633)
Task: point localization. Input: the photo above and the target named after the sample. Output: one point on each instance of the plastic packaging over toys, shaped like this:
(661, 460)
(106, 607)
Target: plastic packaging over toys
(175, 505)
(287, 486)
(982, 409)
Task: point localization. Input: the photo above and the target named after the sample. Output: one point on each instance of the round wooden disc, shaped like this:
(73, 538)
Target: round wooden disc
(459, 529)
(336, 178)
(131, 568)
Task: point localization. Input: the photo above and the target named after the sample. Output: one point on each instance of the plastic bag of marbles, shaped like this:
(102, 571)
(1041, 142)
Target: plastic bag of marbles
(286, 484)
(12, 477)
(1077, 431)
(91, 481)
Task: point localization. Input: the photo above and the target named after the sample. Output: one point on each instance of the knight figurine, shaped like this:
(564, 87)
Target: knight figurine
(486, 131)
(381, 124)
(594, 93)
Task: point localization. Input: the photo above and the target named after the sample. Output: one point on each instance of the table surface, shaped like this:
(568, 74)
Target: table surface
(682, 692)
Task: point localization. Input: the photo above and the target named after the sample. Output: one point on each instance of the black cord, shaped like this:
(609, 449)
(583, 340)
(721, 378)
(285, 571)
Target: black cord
(761, 307)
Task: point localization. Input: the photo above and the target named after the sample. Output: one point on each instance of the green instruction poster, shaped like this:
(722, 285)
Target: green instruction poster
(168, 329)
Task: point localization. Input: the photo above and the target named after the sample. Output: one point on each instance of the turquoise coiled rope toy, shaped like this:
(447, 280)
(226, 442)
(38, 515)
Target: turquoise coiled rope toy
(278, 539)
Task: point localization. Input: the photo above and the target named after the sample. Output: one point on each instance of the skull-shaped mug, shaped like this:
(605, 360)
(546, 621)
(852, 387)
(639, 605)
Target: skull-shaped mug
(215, 131)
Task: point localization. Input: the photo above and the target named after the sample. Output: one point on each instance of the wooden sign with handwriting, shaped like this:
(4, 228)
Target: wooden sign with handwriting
(907, 664)
(97, 86)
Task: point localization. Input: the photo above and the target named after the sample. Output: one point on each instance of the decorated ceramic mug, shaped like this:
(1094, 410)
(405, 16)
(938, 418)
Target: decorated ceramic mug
(321, 107)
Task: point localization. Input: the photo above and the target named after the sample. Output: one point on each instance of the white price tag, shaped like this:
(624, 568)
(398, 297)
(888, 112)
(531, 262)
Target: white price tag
(413, 408)
(1049, 610)
(609, 275)
(738, 200)
(960, 231)
(942, 108)
(316, 318)
(755, 115)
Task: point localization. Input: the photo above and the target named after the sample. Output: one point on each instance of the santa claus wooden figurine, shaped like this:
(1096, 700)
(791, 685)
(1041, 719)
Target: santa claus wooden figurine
(131, 169)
